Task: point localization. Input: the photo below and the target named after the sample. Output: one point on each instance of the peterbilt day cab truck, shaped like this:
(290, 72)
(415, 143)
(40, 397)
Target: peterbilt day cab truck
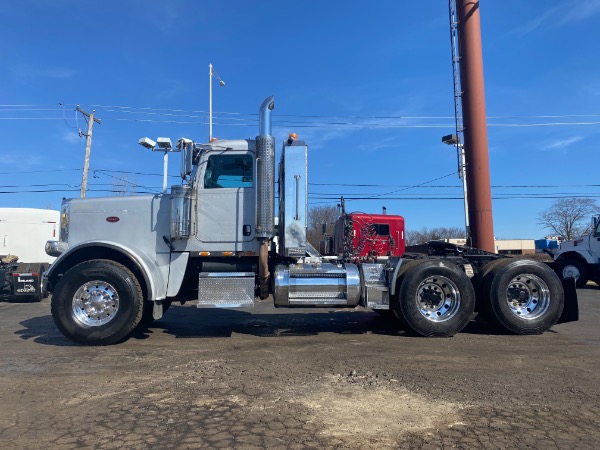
(361, 237)
(23, 233)
(580, 258)
(123, 260)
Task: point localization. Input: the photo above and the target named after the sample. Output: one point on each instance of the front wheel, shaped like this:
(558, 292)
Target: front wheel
(522, 296)
(435, 298)
(574, 268)
(97, 302)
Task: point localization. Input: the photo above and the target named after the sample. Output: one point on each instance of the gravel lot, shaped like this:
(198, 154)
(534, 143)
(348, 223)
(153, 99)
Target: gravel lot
(279, 378)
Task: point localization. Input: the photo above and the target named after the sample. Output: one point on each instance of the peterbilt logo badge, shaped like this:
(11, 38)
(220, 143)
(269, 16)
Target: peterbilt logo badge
(112, 219)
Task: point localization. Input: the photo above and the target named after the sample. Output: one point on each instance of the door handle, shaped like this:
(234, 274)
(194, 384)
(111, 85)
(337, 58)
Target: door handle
(297, 177)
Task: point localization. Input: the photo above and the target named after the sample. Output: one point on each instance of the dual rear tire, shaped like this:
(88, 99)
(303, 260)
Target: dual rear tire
(520, 296)
(436, 298)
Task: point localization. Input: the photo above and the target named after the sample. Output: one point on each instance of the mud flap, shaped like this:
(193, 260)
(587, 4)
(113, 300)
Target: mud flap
(571, 310)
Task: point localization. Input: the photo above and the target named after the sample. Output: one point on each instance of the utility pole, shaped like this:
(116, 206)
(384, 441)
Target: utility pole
(211, 74)
(475, 128)
(88, 147)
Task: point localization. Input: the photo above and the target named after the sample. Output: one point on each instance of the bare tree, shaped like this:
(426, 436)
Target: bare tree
(317, 216)
(414, 237)
(569, 217)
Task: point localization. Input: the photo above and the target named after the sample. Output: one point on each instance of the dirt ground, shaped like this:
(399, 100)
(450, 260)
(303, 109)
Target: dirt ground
(269, 378)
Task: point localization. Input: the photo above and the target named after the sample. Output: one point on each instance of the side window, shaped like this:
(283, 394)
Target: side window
(228, 171)
(382, 229)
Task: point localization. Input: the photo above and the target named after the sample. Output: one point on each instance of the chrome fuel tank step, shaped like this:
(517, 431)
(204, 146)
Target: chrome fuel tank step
(322, 284)
(225, 289)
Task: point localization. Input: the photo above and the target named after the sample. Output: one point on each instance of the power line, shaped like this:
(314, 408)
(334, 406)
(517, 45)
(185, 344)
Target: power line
(251, 119)
(46, 191)
(329, 126)
(133, 173)
(456, 185)
(414, 186)
(6, 186)
(333, 201)
(143, 109)
(327, 200)
(38, 171)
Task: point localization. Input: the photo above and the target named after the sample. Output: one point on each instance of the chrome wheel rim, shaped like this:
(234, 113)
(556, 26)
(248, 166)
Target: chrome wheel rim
(95, 303)
(571, 271)
(528, 296)
(438, 298)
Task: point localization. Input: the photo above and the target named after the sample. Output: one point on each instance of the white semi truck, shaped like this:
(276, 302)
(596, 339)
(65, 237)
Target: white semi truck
(123, 260)
(580, 258)
(23, 236)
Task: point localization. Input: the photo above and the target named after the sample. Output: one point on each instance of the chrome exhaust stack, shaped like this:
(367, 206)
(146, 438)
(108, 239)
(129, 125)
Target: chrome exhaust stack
(265, 192)
(265, 173)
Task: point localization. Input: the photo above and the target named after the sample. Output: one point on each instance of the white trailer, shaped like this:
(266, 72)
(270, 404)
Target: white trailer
(23, 259)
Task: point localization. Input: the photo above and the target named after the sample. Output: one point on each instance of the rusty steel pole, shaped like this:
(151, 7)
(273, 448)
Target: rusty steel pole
(475, 127)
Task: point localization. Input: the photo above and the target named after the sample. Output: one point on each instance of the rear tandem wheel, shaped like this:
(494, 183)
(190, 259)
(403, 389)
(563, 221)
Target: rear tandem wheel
(521, 296)
(434, 298)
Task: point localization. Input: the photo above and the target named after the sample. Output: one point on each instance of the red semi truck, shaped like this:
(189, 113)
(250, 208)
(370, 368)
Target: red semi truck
(365, 237)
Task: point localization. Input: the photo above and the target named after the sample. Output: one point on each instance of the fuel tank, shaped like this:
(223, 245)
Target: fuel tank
(322, 284)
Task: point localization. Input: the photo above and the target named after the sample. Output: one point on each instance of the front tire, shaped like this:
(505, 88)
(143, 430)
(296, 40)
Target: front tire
(522, 296)
(97, 302)
(435, 298)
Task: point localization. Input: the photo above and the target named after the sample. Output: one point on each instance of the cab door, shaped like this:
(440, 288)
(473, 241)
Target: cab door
(226, 213)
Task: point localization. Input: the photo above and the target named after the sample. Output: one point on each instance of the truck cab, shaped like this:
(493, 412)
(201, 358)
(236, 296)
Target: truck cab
(369, 236)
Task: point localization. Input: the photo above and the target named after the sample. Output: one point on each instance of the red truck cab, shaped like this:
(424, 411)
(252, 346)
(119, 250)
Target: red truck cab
(366, 237)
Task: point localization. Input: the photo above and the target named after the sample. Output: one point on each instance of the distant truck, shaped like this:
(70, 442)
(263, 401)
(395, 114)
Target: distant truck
(365, 237)
(580, 258)
(23, 260)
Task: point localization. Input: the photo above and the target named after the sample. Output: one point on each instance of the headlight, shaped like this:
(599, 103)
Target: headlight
(65, 219)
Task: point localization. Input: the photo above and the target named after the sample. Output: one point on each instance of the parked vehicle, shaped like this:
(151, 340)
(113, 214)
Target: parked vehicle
(364, 237)
(123, 260)
(23, 260)
(580, 258)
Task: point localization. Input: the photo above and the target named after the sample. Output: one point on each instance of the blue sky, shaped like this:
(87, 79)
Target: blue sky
(368, 85)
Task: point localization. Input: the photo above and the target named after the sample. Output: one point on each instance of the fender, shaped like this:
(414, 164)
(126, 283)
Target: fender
(155, 268)
(393, 267)
(589, 257)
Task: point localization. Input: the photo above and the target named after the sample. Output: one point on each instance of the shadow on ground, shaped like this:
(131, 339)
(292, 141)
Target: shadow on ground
(189, 322)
